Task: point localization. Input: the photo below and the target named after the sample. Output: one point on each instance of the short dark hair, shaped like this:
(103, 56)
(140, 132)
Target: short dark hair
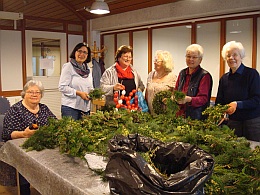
(122, 50)
(77, 47)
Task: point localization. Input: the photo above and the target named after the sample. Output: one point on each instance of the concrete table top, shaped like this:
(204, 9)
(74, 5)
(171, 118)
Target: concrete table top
(53, 173)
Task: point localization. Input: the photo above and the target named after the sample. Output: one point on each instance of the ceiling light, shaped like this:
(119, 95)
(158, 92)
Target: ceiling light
(189, 26)
(235, 31)
(99, 7)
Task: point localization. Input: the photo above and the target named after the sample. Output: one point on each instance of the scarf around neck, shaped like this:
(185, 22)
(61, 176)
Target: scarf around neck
(82, 70)
(124, 74)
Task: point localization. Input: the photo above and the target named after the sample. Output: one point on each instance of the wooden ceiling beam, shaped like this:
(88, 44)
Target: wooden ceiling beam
(1, 5)
(119, 6)
(72, 9)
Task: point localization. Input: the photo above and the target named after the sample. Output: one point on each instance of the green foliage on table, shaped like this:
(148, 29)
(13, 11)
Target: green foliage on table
(164, 102)
(237, 166)
(96, 93)
(215, 113)
(178, 95)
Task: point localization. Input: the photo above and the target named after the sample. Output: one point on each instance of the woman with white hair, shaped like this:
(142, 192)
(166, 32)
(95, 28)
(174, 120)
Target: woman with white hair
(26, 112)
(240, 89)
(161, 78)
(24, 117)
(196, 83)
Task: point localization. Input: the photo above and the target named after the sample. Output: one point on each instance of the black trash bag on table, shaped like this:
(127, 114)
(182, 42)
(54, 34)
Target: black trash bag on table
(187, 167)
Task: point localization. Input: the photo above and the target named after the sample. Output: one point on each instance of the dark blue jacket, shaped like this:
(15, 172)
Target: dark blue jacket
(243, 87)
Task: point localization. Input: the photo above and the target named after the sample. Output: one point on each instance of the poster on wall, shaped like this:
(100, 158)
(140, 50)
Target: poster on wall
(46, 63)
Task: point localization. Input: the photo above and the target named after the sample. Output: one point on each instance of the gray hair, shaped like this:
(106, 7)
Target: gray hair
(167, 59)
(194, 48)
(233, 45)
(32, 83)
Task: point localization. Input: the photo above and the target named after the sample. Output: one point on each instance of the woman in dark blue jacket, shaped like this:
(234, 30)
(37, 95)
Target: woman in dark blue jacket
(240, 88)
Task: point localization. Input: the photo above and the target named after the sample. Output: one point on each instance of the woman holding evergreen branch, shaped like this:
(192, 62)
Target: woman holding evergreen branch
(240, 89)
(121, 76)
(162, 78)
(24, 118)
(75, 83)
(196, 83)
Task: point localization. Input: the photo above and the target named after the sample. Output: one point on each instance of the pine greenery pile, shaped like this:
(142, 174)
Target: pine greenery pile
(164, 102)
(96, 93)
(237, 166)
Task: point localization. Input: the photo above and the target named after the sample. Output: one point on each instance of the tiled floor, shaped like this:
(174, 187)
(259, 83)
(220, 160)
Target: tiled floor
(7, 190)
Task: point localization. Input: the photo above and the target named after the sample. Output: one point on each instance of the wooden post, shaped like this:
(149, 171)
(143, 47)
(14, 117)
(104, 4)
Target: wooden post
(18, 182)
(97, 104)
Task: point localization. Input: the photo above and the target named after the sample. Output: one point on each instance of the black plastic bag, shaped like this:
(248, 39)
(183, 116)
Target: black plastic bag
(187, 167)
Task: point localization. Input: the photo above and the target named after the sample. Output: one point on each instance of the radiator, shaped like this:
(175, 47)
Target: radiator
(52, 96)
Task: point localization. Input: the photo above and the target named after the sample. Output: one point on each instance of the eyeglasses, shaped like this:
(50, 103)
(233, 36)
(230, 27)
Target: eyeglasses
(127, 57)
(157, 61)
(233, 55)
(34, 93)
(83, 52)
(192, 57)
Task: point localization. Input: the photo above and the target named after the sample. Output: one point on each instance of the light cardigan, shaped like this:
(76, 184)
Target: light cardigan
(110, 78)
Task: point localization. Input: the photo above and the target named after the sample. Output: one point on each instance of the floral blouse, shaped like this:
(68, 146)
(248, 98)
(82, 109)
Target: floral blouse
(154, 87)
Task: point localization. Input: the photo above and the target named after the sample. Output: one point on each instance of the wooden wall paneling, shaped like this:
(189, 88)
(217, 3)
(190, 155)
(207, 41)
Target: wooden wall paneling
(222, 43)
(23, 52)
(150, 46)
(193, 33)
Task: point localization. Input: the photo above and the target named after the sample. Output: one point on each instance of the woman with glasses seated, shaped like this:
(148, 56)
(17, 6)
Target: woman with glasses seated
(75, 83)
(196, 83)
(161, 78)
(121, 76)
(24, 117)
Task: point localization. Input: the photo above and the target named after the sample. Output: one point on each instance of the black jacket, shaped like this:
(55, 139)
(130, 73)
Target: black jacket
(192, 112)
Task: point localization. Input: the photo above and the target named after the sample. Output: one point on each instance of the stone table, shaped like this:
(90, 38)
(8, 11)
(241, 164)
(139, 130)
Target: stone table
(52, 173)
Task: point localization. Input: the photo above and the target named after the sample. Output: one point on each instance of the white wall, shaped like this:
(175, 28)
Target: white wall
(122, 39)
(73, 40)
(140, 61)
(11, 60)
(245, 37)
(181, 10)
(208, 36)
(110, 53)
(175, 40)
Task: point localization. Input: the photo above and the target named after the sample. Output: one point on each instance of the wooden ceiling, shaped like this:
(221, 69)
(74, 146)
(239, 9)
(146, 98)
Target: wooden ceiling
(72, 10)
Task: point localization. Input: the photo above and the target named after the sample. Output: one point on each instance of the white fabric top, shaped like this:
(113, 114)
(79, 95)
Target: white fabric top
(70, 82)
